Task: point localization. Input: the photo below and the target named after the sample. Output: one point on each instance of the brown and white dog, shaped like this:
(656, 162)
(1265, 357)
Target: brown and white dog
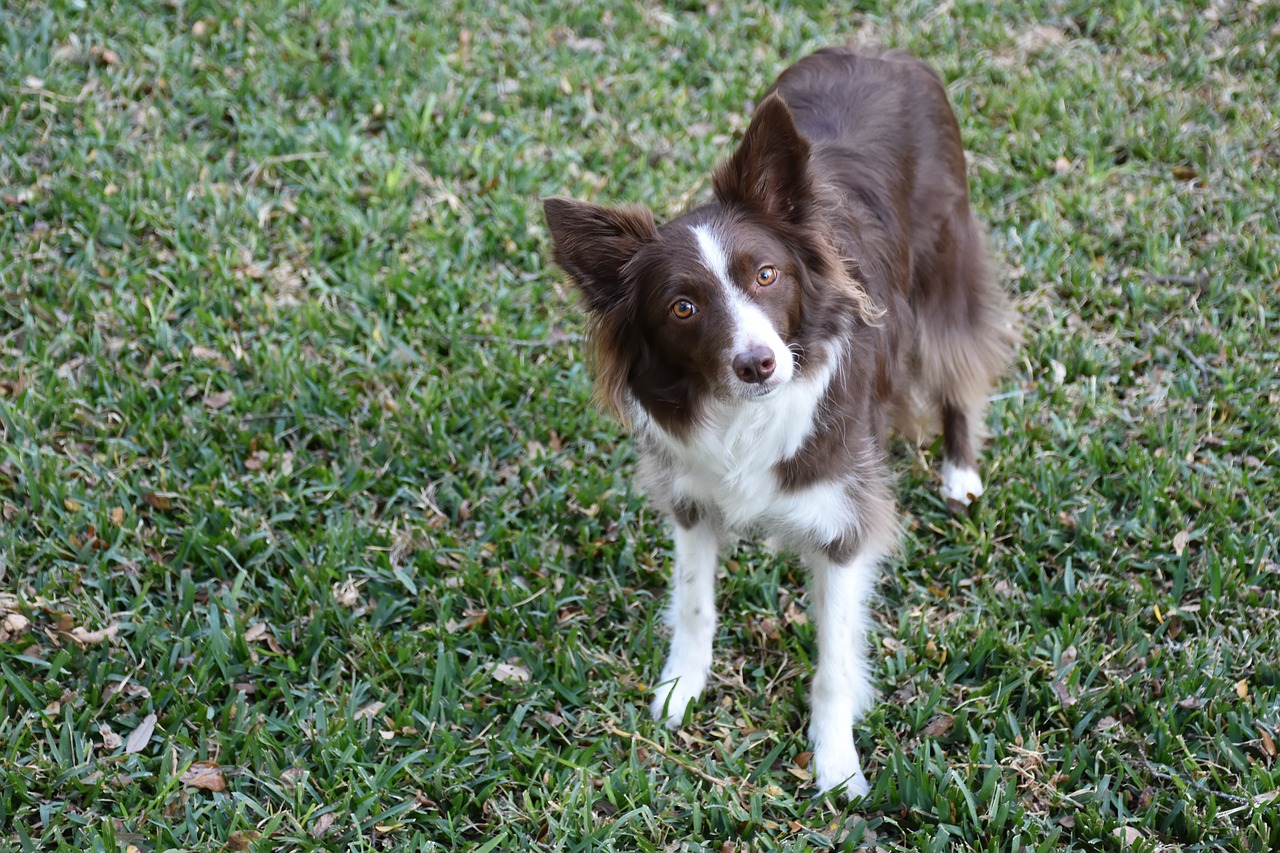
(763, 345)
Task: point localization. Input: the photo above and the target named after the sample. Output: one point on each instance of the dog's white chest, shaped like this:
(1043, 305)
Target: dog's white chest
(728, 463)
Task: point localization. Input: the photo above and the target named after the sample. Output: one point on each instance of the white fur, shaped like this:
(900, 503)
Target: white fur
(751, 326)
(692, 617)
(842, 688)
(728, 462)
(960, 484)
(725, 466)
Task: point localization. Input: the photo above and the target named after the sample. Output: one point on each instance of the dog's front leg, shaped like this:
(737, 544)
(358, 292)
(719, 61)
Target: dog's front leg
(692, 617)
(842, 688)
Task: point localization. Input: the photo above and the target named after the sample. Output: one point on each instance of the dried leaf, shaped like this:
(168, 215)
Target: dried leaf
(110, 740)
(1180, 541)
(205, 775)
(1127, 835)
(205, 353)
(157, 500)
(84, 638)
(117, 515)
(1106, 723)
(13, 625)
(1242, 689)
(368, 712)
(1268, 745)
(1184, 172)
(347, 592)
(474, 619)
(938, 726)
(511, 672)
(293, 776)
(1064, 697)
(322, 824)
(71, 504)
(795, 615)
(255, 632)
(218, 400)
(803, 759)
(141, 736)
(242, 839)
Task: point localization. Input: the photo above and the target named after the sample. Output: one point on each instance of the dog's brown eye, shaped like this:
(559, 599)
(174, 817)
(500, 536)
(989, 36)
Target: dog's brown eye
(683, 309)
(766, 276)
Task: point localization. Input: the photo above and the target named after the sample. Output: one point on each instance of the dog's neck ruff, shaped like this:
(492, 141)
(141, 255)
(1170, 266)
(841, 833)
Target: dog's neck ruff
(740, 439)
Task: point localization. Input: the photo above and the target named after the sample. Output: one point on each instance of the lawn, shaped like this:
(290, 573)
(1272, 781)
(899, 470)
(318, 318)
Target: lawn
(311, 537)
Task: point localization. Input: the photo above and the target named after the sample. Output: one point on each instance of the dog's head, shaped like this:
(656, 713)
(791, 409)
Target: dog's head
(712, 305)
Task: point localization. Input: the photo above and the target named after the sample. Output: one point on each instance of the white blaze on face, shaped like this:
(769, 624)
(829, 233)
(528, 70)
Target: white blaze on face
(751, 327)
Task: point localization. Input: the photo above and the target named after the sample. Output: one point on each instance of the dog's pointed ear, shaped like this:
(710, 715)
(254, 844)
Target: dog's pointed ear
(770, 169)
(593, 243)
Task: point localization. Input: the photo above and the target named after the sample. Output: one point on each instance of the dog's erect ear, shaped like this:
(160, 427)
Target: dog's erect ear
(593, 243)
(770, 169)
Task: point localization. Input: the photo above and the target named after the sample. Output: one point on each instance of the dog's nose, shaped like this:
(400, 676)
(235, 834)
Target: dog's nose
(755, 365)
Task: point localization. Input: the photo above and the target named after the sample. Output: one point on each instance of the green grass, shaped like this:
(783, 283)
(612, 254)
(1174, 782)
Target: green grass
(291, 396)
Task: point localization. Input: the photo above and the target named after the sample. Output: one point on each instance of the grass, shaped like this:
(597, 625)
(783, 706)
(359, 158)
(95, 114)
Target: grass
(292, 402)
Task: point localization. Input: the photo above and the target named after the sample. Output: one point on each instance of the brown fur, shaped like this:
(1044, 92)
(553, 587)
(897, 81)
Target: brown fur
(852, 168)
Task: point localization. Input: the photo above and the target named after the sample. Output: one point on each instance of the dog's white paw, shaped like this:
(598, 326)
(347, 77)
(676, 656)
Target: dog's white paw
(840, 767)
(962, 485)
(674, 695)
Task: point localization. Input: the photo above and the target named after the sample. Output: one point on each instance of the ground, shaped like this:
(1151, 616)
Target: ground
(312, 538)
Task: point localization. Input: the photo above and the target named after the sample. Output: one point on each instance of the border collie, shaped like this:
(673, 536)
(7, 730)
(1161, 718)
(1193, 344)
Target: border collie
(761, 347)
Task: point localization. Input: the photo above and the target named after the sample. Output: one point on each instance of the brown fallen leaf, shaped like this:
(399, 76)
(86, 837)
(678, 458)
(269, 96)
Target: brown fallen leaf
(218, 400)
(321, 825)
(12, 625)
(117, 515)
(242, 839)
(368, 712)
(347, 592)
(511, 672)
(938, 726)
(84, 638)
(141, 736)
(474, 619)
(157, 500)
(205, 775)
(802, 759)
(1242, 689)
(1184, 172)
(205, 353)
(292, 776)
(1268, 745)
(1064, 696)
(110, 740)
(1127, 834)
(71, 504)
(1180, 542)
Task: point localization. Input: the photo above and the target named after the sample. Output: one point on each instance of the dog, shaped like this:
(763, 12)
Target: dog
(763, 345)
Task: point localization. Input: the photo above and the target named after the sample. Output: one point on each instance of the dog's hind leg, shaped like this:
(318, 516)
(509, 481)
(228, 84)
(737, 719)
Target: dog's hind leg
(692, 617)
(964, 341)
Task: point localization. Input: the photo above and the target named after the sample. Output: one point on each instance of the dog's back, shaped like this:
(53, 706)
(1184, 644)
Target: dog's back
(885, 138)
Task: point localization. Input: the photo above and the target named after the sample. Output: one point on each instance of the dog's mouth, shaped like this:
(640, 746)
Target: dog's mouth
(752, 391)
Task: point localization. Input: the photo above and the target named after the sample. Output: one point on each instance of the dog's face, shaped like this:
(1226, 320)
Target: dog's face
(710, 304)
(718, 302)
